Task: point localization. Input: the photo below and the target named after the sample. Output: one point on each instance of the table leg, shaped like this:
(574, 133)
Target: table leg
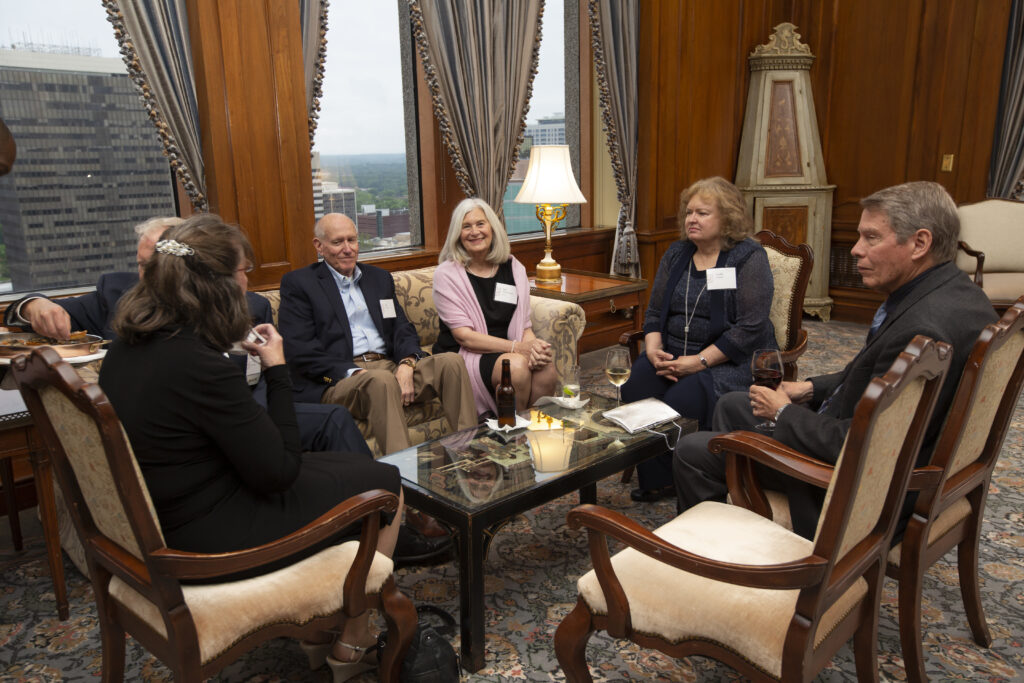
(588, 494)
(7, 479)
(471, 595)
(48, 513)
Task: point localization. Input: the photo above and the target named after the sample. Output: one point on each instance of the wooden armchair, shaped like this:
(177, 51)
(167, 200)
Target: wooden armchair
(791, 269)
(138, 581)
(724, 582)
(953, 487)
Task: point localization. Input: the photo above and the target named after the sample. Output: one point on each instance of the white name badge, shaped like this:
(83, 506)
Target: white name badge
(505, 293)
(721, 278)
(387, 308)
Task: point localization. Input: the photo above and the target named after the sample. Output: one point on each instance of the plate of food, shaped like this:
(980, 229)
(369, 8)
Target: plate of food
(78, 344)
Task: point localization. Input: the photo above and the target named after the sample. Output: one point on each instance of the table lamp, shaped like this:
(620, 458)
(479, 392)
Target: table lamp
(549, 184)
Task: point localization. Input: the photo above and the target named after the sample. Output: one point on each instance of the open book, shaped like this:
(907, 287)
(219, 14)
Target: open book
(639, 415)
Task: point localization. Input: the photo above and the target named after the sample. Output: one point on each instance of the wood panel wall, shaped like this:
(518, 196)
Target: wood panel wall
(896, 86)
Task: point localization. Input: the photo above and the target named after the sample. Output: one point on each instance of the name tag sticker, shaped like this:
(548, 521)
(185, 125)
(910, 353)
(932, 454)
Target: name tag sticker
(721, 278)
(387, 308)
(505, 293)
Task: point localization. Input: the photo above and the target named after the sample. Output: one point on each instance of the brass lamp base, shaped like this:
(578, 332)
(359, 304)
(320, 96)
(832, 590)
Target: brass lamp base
(548, 270)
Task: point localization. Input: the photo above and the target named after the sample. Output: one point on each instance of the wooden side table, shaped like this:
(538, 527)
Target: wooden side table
(611, 304)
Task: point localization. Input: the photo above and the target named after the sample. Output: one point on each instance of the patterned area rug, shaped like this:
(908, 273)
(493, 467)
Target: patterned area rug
(531, 573)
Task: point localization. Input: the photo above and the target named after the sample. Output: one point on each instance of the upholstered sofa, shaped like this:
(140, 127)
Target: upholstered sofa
(559, 322)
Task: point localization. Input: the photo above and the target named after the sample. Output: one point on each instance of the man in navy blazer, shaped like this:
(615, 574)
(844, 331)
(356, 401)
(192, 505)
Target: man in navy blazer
(348, 341)
(907, 242)
(322, 427)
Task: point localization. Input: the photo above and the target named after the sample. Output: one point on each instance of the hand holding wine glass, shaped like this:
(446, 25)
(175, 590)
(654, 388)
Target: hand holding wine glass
(766, 368)
(617, 367)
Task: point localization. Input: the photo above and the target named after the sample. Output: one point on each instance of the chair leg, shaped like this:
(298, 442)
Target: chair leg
(967, 568)
(400, 616)
(910, 623)
(43, 473)
(865, 638)
(112, 639)
(571, 638)
(627, 474)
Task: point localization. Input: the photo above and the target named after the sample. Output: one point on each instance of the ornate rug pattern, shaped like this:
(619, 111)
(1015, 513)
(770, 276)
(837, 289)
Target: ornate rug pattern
(531, 585)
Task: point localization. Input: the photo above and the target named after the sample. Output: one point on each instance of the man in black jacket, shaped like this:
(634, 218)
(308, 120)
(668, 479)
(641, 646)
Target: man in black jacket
(908, 240)
(349, 342)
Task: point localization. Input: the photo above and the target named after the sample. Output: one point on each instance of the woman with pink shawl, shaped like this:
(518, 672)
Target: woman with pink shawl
(482, 296)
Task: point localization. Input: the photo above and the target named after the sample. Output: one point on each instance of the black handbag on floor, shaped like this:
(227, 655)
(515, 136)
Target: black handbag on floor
(430, 657)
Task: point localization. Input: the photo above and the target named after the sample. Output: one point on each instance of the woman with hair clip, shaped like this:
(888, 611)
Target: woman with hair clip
(482, 297)
(223, 473)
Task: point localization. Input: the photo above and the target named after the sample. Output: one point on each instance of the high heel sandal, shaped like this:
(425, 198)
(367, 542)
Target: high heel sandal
(343, 671)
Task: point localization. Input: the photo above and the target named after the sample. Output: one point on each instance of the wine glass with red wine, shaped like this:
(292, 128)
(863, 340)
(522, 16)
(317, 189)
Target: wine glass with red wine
(766, 367)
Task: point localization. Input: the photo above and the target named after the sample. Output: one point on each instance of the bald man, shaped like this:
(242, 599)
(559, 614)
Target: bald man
(348, 342)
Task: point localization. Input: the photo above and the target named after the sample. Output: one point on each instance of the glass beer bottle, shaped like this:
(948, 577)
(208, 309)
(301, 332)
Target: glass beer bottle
(505, 397)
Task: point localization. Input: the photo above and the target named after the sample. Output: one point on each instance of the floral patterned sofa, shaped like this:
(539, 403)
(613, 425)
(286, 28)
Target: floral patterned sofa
(559, 322)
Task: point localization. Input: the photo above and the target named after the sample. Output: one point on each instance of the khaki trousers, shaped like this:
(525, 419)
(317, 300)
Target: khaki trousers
(374, 396)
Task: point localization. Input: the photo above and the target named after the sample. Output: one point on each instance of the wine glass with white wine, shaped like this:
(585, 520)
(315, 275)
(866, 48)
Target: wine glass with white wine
(616, 366)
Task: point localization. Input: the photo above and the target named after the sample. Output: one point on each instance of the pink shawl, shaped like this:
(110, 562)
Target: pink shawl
(457, 306)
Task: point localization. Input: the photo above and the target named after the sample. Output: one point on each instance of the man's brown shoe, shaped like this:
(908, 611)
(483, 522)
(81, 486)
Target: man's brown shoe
(425, 524)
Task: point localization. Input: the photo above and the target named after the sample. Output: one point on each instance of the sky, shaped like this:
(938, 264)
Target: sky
(361, 106)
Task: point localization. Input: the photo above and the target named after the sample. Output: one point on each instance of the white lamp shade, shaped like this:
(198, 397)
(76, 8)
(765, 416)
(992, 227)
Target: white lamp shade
(549, 178)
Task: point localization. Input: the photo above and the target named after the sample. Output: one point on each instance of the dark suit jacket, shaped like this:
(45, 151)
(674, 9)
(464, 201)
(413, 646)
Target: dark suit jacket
(317, 336)
(95, 311)
(944, 305)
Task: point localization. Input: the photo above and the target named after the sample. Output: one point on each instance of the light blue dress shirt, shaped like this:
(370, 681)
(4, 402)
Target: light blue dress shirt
(365, 337)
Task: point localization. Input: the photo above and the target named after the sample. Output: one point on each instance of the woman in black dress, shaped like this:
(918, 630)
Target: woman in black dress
(482, 296)
(224, 474)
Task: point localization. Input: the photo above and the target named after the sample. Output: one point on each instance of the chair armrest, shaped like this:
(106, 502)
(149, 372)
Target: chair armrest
(632, 341)
(187, 565)
(561, 323)
(979, 271)
(771, 453)
(806, 571)
(790, 356)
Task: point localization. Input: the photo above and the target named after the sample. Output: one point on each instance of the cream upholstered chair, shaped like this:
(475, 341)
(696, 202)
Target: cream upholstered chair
(137, 580)
(791, 266)
(992, 248)
(953, 486)
(724, 582)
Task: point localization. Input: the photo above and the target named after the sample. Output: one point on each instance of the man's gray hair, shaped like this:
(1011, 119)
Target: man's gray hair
(156, 225)
(920, 205)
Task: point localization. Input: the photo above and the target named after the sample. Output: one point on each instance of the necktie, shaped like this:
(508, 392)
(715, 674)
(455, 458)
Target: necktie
(876, 322)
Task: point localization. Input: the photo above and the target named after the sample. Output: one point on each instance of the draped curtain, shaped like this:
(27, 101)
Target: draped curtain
(1006, 174)
(313, 14)
(154, 41)
(613, 26)
(154, 44)
(480, 59)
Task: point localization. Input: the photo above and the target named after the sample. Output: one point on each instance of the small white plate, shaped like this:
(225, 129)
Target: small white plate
(74, 360)
(521, 423)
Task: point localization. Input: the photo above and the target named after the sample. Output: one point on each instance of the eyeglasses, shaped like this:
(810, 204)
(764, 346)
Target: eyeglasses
(245, 268)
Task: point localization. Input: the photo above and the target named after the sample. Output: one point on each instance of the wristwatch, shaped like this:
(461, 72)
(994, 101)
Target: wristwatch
(410, 361)
(703, 361)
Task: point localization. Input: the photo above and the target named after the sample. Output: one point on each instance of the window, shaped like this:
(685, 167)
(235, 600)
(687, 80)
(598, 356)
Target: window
(545, 118)
(90, 165)
(363, 165)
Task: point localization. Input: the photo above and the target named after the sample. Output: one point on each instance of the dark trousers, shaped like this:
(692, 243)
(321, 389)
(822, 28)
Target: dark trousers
(686, 396)
(699, 474)
(323, 427)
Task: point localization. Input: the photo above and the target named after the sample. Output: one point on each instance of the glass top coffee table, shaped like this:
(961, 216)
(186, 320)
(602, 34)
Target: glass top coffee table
(478, 479)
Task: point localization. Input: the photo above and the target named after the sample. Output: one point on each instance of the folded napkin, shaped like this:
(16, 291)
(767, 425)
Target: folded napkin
(521, 423)
(574, 403)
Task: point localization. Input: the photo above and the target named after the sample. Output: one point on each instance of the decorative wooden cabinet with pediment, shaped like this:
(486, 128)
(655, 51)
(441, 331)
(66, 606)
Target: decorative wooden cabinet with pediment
(781, 170)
